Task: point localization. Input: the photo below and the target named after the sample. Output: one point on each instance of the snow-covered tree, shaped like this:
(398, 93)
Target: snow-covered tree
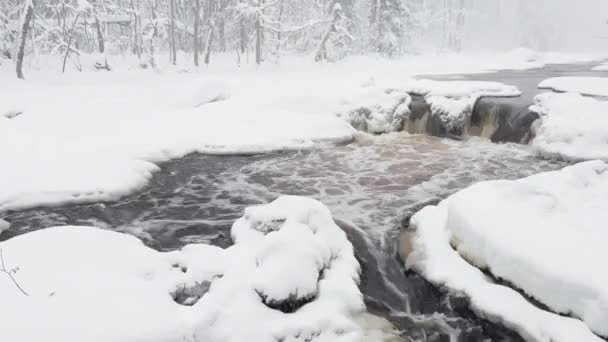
(388, 20)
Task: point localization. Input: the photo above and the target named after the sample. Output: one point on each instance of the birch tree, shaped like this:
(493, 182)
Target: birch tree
(28, 14)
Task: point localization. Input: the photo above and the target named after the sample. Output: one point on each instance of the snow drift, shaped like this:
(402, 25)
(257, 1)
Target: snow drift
(543, 234)
(291, 275)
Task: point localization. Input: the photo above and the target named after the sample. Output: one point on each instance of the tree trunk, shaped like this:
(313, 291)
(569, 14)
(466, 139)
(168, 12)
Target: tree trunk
(153, 5)
(321, 54)
(29, 13)
(258, 39)
(243, 34)
(67, 50)
(197, 23)
(172, 32)
(222, 25)
(135, 32)
(100, 39)
(209, 41)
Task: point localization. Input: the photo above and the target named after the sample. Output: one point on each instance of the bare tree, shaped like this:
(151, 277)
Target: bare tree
(10, 273)
(70, 38)
(197, 24)
(172, 31)
(337, 15)
(28, 10)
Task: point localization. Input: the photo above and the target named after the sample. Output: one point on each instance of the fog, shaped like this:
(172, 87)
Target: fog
(501, 24)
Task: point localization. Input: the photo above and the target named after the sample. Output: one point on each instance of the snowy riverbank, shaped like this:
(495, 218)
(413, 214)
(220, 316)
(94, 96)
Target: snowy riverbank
(543, 234)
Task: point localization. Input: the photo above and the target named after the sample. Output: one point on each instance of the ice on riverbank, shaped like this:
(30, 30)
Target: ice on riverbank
(571, 126)
(594, 86)
(541, 233)
(88, 284)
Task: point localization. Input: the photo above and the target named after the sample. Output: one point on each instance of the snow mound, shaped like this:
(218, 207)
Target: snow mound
(204, 90)
(571, 126)
(376, 110)
(297, 281)
(540, 234)
(594, 86)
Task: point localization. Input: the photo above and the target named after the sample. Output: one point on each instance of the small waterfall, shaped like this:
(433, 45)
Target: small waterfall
(495, 118)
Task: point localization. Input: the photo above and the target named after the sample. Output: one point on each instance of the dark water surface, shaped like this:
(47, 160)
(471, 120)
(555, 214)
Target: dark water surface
(527, 80)
(371, 186)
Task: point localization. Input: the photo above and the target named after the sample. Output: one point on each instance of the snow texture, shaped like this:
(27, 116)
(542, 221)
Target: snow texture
(88, 284)
(543, 234)
(594, 86)
(100, 141)
(571, 126)
(375, 110)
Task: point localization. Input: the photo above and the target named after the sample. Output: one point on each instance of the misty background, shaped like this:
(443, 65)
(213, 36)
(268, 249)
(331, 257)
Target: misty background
(263, 30)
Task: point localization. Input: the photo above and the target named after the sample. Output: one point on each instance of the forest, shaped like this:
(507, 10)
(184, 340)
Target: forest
(262, 31)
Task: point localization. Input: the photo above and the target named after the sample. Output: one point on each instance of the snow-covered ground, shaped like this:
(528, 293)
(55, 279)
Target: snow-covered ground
(100, 135)
(543, 234)
(594, 86)
(571, 126)
(88, 284)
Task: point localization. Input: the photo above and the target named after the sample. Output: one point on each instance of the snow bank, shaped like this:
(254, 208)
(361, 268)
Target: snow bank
(99, 140)
(571, 126)
(539, 233)
(594, 86)
(291, 275)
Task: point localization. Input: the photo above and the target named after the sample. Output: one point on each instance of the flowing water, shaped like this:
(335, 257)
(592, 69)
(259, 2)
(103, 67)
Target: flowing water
(372, 187)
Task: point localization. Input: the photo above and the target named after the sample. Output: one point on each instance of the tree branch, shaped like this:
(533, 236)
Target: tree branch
(10, 273)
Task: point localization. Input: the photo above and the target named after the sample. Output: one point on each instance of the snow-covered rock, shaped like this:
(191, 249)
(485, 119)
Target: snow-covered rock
(376, 110)
(291, 275)
(594, 86)
(571, 126)
(544, 234)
